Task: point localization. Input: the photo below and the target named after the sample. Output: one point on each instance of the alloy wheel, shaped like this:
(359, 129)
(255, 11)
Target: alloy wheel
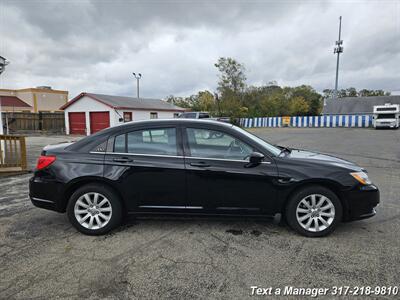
(315, 212)
(93, 210)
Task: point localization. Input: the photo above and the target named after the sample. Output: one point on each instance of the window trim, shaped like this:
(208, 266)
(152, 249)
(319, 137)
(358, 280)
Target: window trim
(182, 142)
(175, 156)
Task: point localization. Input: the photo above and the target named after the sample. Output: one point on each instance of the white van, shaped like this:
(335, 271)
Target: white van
(386, 116)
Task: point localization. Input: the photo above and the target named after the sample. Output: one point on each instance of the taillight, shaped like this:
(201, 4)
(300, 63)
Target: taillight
(45, 161)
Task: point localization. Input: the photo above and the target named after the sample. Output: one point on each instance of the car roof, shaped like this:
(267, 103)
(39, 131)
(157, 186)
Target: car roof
(101, 136)
(176, 121)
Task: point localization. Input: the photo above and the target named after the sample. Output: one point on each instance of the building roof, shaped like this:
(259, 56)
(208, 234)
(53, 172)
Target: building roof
(12, 101)
(120, 102)
(40, 89)
(356, 105)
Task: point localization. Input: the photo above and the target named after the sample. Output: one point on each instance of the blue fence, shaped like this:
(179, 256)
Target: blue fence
(311, 121)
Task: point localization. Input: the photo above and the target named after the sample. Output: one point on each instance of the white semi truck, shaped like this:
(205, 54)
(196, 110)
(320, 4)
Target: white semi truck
(386, 116)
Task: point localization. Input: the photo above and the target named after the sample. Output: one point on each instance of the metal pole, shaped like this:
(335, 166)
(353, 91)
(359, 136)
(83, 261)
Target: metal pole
(137, 76)
(137, 79)
(1, 119)
(7, 130)
(338, 50)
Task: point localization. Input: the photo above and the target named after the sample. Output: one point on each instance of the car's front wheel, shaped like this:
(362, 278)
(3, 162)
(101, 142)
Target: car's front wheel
(94, 209)
(314, 211)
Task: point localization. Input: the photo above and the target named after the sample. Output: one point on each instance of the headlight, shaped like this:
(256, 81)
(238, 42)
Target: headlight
(361, 177)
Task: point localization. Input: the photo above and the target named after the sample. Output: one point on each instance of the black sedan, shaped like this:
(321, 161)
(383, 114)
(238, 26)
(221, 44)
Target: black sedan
(184, 166)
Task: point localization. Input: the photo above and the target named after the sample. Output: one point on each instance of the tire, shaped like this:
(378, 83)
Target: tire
(94, 209)
(315, 204)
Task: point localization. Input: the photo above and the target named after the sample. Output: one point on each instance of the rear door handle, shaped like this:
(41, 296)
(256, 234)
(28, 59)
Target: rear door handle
(123, 160)
(200, 164)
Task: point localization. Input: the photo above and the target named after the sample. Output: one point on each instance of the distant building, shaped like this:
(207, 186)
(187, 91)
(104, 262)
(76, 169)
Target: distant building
(41, 98)
(356, 105)
(13, 104)
(88, 113)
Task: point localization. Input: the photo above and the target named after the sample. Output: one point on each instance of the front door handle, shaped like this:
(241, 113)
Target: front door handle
(200, 164)
(286, 180)
(123, 159)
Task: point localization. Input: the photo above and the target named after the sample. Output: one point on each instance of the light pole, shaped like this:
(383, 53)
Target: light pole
(338, 49)
(3, 64)
(137, 76)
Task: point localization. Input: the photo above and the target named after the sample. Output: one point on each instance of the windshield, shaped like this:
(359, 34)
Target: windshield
(386, 116)
(271, 148)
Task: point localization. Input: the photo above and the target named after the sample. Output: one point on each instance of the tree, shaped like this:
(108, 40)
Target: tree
(231, 75)
(205, 101)
(313, 99)
(202, 101)
(236, 99)
(351, 92)
(231, 85)
(179, 101)
(327, 93)
(369, 93)
(298, 106)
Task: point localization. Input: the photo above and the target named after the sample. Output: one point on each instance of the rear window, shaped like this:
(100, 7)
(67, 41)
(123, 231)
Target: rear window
(204, 116)
(188, 116)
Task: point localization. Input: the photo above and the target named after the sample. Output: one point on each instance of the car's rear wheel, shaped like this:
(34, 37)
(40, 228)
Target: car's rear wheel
(314, 211)
(94, 209)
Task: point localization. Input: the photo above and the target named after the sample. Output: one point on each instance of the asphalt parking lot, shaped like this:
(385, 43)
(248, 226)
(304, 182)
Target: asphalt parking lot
(42, 256)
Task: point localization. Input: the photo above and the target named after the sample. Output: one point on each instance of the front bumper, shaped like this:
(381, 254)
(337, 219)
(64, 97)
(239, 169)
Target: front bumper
(385, 125)
(361, 202)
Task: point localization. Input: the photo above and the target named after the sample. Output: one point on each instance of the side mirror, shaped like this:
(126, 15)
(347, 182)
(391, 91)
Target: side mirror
(256, 158)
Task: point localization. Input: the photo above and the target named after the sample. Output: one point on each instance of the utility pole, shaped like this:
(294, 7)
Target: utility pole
(217, 100)
(338, 49)
(3, 64)
(137, 76)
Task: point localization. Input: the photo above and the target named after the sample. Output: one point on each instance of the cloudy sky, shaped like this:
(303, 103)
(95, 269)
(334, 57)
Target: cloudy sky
(95, 46)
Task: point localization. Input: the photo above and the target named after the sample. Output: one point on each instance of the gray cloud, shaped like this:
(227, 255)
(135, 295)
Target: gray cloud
(95, 45)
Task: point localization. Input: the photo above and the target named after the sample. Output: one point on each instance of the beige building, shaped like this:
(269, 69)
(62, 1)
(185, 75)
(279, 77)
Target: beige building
(41, 98)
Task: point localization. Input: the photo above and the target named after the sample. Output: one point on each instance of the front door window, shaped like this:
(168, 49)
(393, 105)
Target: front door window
(206, 143)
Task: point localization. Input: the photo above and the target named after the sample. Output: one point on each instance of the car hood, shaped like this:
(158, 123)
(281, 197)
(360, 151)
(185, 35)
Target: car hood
(320, 158)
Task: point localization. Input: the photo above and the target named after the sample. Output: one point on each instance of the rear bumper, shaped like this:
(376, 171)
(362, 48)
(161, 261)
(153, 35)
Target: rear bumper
(46, 193)
(361, 202)
(43, 203)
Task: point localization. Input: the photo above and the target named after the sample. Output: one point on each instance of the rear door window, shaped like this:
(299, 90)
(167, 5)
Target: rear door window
(160, 141)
